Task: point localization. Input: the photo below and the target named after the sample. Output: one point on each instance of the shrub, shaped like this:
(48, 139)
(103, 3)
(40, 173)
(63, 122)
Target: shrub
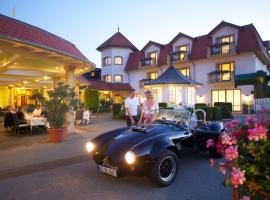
(220, 104)
(91, 99)
(245, 109)
(190, 109)
(217, 114)
(162, 105)
(116, 108)
(209, 112)
(199, 105)
(226, 113)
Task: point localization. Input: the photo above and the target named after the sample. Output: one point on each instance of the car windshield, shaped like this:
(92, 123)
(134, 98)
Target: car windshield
(181, 117)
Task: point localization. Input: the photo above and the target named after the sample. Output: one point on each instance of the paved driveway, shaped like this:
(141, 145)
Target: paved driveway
(196, 181)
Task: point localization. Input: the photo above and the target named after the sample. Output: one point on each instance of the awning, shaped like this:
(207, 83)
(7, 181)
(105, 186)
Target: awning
(173, 76)
(259, 77)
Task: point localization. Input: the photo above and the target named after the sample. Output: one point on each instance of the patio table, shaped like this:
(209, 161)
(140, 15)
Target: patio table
(36, 121)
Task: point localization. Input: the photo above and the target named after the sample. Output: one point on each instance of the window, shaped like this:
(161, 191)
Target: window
(175, 95)
(108, 78)
(185, 72)
(107, 61)
(154, 57)
(233, 96)
(191, 96)
(152, 75)
(118, 78)
(118, 60)
(157, 93)
(118, 98)
(226, 69)
(226, 43)
(182, 48)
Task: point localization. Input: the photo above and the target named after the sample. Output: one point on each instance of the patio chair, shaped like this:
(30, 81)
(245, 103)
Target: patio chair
(79, 116)
(17, 125)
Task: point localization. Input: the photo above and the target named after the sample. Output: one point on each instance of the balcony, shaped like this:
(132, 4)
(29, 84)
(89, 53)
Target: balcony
(220, 77)
(225, 48)
(143, 81)
(148, 62)
(179, 56)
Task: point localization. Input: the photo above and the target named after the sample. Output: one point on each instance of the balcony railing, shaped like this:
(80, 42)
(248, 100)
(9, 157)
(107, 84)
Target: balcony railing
(220, 77)
(221, 48)
(148, 62)
(179, 56)
(143, 81)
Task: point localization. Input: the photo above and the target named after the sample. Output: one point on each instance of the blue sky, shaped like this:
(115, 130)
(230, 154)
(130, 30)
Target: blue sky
(88, 23)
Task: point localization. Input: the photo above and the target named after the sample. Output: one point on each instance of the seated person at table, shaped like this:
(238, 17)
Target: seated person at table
(44, 112)
(8, 121)
(37, 111)
(20, 116)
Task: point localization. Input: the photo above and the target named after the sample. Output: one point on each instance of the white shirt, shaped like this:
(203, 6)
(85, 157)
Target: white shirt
(151, 110)
(37, 112)
(131, 104)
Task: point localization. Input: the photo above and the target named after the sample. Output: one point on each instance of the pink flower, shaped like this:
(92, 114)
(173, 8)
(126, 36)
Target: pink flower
(257, 133)
(227, 139)
(212, 162)
(231, 153)
(250, 121)
(263, 110)
(237, 176)
(232, 124)
(245, 198)
(223, 168)
(209, 143)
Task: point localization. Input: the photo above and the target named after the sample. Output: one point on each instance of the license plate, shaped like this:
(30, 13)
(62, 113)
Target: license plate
(107, 170)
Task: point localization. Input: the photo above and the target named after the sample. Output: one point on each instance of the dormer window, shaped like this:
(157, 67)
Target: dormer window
(223, 45)
(118, 60)
(182, 48)
(107, 61)
(153, 56)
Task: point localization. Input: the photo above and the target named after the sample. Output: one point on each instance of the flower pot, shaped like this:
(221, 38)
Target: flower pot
(56, 134)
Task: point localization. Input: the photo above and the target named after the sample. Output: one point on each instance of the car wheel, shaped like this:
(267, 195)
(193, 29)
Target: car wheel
(213, 153)
(165, 168)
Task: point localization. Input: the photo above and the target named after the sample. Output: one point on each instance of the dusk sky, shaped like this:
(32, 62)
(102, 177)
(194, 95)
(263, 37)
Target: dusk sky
(88, 23)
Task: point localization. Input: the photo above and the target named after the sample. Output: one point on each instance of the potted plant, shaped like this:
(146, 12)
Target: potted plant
(246, 148)
(61, 100)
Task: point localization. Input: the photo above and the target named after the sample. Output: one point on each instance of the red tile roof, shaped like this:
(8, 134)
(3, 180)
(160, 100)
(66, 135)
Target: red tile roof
(102, 85)
(248, 41)
(117, 40)
(13, 29)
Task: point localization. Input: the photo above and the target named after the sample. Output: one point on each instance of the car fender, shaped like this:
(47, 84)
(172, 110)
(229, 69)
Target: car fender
(159, 146)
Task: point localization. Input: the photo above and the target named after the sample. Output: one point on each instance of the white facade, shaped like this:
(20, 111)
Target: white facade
(114, 69)
(199, 70)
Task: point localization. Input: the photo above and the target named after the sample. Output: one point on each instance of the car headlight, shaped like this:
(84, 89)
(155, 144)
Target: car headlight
(89, 147)
(130, 157)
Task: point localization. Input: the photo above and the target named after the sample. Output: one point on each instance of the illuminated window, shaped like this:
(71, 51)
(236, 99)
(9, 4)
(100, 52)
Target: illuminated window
(154, 57)
(117, 98)
(152, 75)
(107, 61)
(182, 48)
(118, 78)
(185, 72)
(108, 78)
(157, 93)
(226, 69)
(118, 60)
(232, 96)
(191, 96)
(175, 95)
(226, 43)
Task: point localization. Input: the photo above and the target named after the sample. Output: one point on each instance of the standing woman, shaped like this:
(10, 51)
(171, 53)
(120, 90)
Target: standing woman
(149, 109)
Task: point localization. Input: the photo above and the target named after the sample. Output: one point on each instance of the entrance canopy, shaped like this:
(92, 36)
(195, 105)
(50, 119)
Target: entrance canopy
(31, 57)
(173, 76)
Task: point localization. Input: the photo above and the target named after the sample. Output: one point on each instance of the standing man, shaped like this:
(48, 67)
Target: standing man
(131, 106)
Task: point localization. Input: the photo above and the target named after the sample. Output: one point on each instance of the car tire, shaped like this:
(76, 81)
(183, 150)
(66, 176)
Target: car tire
(165, 168)
(214, 154)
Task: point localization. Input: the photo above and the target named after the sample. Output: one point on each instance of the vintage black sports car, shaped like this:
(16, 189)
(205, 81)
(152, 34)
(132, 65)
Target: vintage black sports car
(155, 149)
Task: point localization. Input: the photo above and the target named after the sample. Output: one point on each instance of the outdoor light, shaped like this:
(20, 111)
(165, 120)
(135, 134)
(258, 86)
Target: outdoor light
(130, 157)
(89, 147)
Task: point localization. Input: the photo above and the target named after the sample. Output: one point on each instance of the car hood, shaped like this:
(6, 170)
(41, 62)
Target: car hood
(119, 145)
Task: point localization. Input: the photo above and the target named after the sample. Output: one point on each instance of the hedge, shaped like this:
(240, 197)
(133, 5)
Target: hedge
(217, 114)
(91, 99)
(199, 105)
(116, 108)
(162, 105)
(220, 104)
